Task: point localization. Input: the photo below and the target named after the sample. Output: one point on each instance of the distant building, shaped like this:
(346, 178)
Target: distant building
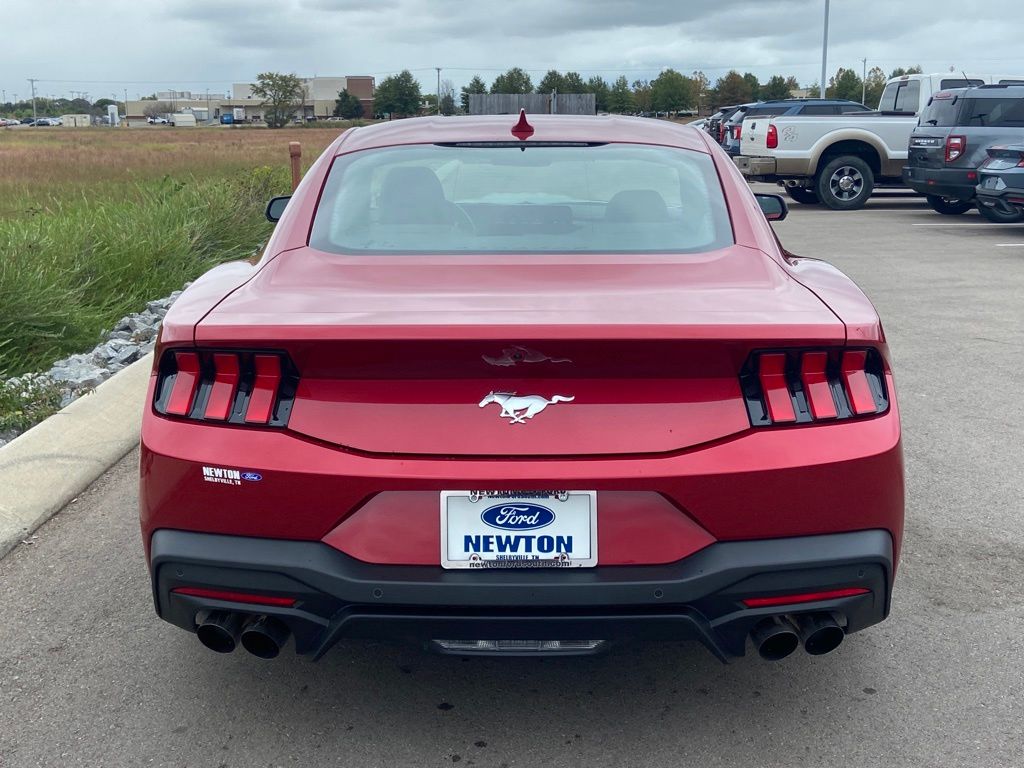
(320, 96)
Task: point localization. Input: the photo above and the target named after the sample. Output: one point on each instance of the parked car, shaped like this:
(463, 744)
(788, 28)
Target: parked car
(157, 120)
(841, 160)
(950, 142)
(733, 125)
(1001, 184)
(714, 126)
(45, 122)
(351, 439)
(6, 122)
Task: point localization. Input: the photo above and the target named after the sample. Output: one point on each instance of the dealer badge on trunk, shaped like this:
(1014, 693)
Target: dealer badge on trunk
(518, 408)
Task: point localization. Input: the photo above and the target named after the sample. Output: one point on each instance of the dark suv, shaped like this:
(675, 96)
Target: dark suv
(732, 132)
(949, 143)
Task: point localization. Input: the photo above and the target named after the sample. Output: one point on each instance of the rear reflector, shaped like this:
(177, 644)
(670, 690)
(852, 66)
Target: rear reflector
(803, 597)
(516, 647)
(804, 386)
(234, 387)
(235, 597)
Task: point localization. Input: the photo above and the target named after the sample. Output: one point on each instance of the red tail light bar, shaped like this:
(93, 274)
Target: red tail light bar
(233, 387)
(804, 386)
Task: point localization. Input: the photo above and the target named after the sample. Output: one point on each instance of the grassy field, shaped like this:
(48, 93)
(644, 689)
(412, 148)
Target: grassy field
(94, 222)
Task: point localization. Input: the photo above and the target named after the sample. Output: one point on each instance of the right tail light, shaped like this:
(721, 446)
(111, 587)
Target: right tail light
(804, 386)
(955, 147)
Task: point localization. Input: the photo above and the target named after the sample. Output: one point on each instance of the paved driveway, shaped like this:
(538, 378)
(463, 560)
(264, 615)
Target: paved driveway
(89, 676)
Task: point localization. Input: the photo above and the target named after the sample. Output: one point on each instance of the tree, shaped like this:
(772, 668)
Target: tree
(158, 109)
(447, 98)
(281, 96)
(642, 95)
(620, 97)
(573, 83)
(732, 89)
(775, 88)
(476, 85)
(348, 106)
(552, 81)
(844, 84)
(671, 92)
(700, 88)
(900, 71)
(99, 107)
(513, 81)
(398, 95)
(755, 85)
(792, 83)
(599, 87)
(874, 85)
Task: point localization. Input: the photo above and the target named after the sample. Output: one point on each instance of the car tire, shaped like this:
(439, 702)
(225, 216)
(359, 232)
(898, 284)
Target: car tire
(803, 195)
(949, 206)
(845, 183)
(997, 216)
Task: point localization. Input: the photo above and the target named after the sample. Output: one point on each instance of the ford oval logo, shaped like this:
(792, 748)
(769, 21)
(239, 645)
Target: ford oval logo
(520, 516)
(252, 476)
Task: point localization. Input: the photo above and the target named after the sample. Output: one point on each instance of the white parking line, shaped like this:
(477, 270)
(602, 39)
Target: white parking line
(967, 225)
(1009, 245)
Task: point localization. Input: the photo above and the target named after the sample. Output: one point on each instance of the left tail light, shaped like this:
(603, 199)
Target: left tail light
(254, 388)
(814, 385)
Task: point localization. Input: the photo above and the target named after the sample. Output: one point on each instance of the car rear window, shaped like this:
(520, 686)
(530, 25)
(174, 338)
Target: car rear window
(492, 198)
(901, 96)
(994, 113)
(959, 82)
(941, 112)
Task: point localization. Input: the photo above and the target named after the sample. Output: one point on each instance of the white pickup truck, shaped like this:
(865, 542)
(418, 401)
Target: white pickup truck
(839, 160)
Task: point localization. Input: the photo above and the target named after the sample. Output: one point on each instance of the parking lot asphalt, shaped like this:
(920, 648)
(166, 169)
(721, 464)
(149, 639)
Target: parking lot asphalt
(90, 677)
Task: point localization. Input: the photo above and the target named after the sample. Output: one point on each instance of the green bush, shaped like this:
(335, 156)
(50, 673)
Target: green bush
(69, 271)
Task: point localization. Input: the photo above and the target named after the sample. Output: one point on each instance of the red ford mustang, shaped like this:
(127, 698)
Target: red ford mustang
(529, 387)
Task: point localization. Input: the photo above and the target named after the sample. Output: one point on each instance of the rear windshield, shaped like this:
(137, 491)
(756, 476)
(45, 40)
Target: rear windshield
(941, 113)
(764, 112)
(901, 96)
(995, 113)
(522, 199)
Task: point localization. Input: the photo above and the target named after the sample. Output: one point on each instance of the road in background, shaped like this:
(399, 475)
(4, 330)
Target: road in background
(90, 677)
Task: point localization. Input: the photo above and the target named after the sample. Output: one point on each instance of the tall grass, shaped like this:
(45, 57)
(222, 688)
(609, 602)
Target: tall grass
(70, 270)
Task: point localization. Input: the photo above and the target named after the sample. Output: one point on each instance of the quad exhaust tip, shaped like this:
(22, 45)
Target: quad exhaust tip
(219, 631)
(776, 637)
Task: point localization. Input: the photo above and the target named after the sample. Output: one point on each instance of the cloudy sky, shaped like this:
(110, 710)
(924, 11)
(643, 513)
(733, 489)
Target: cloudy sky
(106, 46)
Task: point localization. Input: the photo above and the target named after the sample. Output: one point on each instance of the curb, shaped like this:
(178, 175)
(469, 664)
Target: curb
(49, 465)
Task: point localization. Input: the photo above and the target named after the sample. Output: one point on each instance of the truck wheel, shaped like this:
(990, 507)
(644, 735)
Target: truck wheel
(996, 216)
(802, 195)
(950, 206)
(845, 183)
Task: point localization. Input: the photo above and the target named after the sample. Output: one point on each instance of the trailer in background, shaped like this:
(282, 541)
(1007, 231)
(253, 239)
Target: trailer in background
(183, 119)
(75, 121)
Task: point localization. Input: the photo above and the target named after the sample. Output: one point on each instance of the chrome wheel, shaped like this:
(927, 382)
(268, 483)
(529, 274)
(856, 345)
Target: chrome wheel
(846, 183)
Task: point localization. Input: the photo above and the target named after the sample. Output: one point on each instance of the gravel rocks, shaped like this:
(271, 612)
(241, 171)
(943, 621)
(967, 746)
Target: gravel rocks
(131, 338)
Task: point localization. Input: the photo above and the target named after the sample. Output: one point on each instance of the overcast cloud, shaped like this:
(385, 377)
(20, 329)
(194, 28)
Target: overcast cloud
(106, 46)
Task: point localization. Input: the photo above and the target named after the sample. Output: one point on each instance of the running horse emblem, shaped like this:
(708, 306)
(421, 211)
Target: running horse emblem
(517, 409)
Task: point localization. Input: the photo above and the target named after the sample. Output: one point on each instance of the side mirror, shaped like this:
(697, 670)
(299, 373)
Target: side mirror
(276, 206)
(773, 207)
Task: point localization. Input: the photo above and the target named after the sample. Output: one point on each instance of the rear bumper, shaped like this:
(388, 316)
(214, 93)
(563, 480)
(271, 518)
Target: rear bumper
(697, 598)
(757, 168)
(1007, 200)
(944, 182)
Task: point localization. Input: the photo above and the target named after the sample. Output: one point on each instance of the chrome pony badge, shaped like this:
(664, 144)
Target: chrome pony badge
(517, 409)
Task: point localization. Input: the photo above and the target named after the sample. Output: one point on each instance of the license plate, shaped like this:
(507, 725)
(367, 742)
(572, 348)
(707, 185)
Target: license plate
(502, 529)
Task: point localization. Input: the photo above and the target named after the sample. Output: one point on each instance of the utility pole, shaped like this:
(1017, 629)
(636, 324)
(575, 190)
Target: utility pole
(824, 55)
(864, 81)
(32, 82)
(126, 109)
(438, 89)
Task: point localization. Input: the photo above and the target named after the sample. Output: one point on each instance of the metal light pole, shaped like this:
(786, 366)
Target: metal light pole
(438, 89)
(32, 82)
(864, 81)
(824, 54)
